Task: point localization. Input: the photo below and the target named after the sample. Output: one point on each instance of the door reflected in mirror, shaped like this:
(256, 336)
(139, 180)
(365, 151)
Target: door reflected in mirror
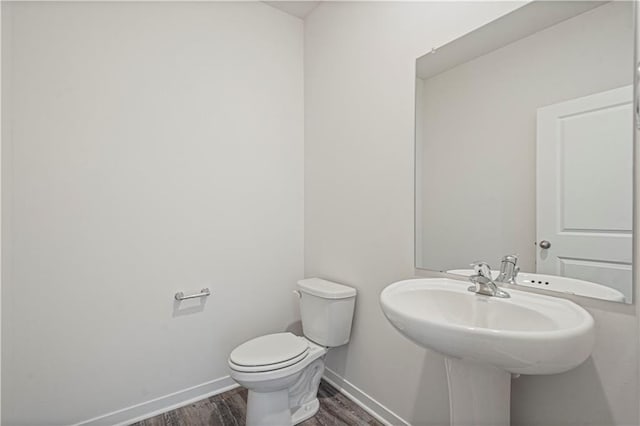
(525, 145)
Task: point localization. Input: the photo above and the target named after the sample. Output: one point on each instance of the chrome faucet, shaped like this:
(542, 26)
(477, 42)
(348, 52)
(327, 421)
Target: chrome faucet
(508, 269)
(483, 283)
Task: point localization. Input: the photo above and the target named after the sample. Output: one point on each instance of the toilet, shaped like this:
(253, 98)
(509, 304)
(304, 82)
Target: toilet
(282, 371)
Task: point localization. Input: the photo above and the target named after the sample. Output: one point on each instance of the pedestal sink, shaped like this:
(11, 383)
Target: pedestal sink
(487, 339)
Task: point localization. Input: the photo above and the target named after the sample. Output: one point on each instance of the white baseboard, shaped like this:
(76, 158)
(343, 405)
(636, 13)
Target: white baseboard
(169, 402)
(367, 403)
(165, 403)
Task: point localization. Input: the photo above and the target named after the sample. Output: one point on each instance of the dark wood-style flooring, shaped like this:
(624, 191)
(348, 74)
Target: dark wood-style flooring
(229, 408)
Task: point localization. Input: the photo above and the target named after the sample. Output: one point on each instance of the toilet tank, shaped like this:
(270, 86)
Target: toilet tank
(327, 311)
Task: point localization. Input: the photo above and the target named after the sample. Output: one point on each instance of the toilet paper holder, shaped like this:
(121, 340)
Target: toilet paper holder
(203, 293)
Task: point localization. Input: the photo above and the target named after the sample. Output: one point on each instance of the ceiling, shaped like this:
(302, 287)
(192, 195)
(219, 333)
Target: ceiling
(296, 8)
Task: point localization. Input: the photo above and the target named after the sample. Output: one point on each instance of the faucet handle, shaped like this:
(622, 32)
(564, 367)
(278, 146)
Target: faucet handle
(482, 269)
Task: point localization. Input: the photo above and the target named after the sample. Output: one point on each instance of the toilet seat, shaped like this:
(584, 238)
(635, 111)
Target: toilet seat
(270, 352)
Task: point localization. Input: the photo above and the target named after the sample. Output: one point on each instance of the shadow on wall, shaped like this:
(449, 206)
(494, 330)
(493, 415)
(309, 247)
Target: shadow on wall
(188, 307)
(577, 397)
(295, 328)
(431, 404)
(337, 359)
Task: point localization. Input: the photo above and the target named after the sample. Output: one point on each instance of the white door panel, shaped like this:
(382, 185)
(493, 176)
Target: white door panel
(585, 188)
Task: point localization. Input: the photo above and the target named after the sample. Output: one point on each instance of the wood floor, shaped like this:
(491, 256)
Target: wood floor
(228, 409)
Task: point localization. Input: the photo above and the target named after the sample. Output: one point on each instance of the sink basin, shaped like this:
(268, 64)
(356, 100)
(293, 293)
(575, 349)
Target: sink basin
(526, 333)
(561, 284)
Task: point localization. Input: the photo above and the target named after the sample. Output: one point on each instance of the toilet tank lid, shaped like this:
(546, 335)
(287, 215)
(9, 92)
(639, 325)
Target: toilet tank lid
(326, 289)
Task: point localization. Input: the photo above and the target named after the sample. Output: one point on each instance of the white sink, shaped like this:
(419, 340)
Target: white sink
(526, 333)
(486, 339)
(561, 284)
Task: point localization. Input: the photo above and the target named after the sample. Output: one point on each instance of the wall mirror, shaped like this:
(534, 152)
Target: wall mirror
(525, 146)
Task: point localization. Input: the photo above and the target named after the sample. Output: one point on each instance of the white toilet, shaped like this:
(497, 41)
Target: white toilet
(282, 371)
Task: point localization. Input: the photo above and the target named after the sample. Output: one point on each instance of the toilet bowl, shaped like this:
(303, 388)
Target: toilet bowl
(282, 371)
(283, 384)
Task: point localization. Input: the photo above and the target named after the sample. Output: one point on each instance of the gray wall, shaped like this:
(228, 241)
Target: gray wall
(359, 106)
(478, 165)
(149, 148)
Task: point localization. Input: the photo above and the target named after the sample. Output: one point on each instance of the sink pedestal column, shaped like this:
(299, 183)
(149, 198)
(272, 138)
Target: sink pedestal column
(479, 394)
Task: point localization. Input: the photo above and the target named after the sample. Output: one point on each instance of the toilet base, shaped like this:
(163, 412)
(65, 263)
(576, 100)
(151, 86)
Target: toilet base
(273, 409)
(305, 411)
(296, 399)
(268, 409)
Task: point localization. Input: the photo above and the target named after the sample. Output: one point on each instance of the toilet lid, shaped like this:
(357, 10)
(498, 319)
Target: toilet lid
(283, 349)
